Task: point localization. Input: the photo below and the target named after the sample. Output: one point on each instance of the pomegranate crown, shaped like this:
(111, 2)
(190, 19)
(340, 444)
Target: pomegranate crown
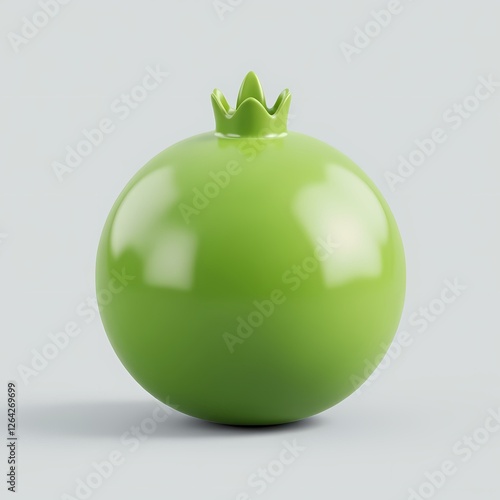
(251, 117)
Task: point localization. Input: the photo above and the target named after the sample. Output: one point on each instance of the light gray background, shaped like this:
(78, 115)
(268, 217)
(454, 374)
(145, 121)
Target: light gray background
(376, 444)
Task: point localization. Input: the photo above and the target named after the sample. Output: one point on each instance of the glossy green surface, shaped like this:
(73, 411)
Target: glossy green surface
(216, 234)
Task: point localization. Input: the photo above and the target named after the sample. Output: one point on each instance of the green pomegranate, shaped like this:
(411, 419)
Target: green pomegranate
(249, 275)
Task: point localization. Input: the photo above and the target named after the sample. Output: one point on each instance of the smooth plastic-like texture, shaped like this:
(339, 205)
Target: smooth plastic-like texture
(250, 276)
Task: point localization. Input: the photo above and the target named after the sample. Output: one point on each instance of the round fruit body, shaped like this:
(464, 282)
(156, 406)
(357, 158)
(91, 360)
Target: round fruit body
(250, 281)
